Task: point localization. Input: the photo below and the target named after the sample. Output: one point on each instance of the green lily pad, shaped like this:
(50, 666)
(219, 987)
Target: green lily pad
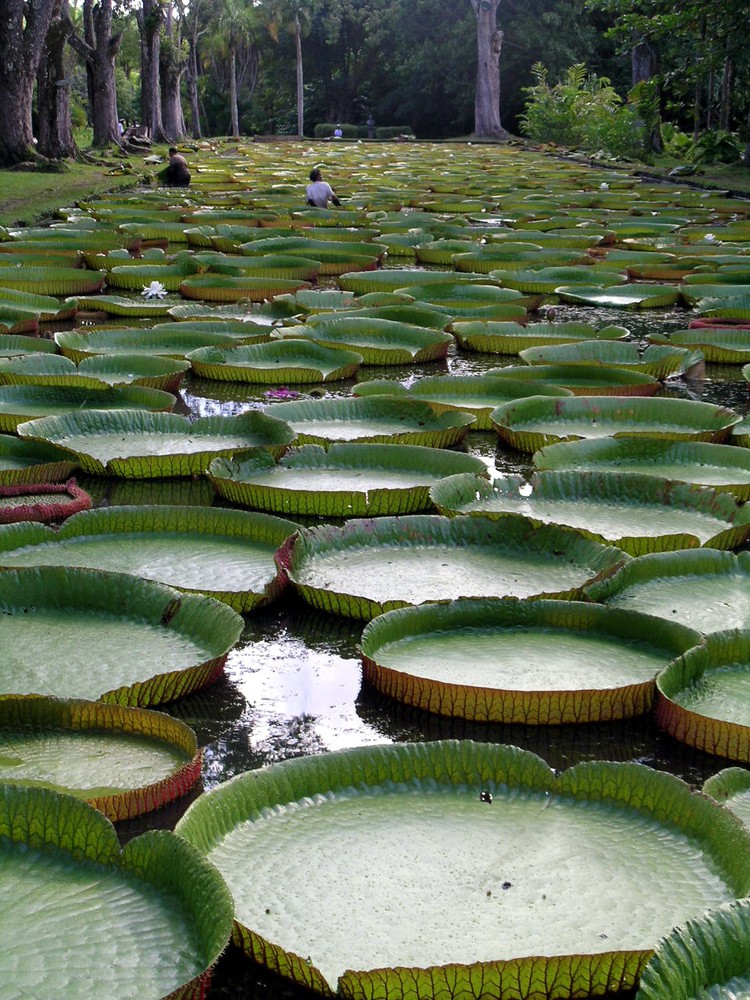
(52, 280)
(378, 341)
(94, 372)
(581, 380)
(704, 957)
(511, 338)
(531, 423)
(395, 279)
(703, 699)
(368, 567)
(548, 279)
(64, 871)
(119, 305)
(15, 346)
(527, 662)
(658, 360)
(108, 636)
(632, 296)
(731, 787)
(374, 419)
(20, 403)
(280, 361)
(24, 461)
(422, 823)
(169, 342)
(348, 480)
(723, 467)
(224, 288)
(138, 445)
(226, 554)
(724, 345)
(703, 588)
(475, 394)
(123, 761)
(636, 513)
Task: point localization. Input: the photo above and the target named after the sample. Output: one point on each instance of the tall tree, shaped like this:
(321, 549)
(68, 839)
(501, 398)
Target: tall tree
(99, 47)
(295, 15)
(489, 45)
(235, 41)
(55, 132)
(23, 29)
(150, 17)
(173, 61)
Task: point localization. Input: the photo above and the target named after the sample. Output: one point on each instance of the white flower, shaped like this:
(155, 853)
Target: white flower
(154, 291)
(710, 238)
(604, 186)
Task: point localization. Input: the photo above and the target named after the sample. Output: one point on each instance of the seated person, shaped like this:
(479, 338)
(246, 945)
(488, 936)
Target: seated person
(177, 173)
(320, 192)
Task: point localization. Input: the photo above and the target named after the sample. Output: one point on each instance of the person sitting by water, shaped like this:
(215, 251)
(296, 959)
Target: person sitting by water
(177, 173)
(319, 192)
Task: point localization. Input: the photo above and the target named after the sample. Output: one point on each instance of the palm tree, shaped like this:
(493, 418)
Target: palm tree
(237, 22)
(296, 17)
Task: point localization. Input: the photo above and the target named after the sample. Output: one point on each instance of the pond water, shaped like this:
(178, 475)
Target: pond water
(293, 684)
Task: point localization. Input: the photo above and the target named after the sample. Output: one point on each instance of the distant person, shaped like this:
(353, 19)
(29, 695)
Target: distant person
(121, 128)
(337, 132)
(320, 192)
(177, 173)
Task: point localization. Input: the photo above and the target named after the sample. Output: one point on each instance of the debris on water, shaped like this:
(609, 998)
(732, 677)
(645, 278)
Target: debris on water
(486, 796)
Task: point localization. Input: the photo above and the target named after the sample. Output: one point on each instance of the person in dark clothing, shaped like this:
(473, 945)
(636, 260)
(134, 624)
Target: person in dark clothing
(177, 173)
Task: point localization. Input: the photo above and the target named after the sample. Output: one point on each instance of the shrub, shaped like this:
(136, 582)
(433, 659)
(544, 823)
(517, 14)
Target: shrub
(716, 146)
(676, 143)
(582, 110)
(393, 132)
(325, 131)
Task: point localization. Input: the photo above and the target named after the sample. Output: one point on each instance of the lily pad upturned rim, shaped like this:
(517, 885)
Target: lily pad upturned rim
(249, 363)
(233, 479)
(514, 531)
(16, 400)
(133, 520)
(263, 431)
(720, 737)
(76, 715)
(617, 453)
(43, 819)
(72, 500)
(38, 461)
(484, 766)
(213, 622)
(527, 707)
(465, 495)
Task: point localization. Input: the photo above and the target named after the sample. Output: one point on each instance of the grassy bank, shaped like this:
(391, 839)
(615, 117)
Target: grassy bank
(30, 197)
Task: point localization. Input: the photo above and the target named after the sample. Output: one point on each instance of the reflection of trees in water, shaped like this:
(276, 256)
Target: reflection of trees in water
(185, 492)
(637, 740)
(235, 752)
(290, 620)
(211, 711)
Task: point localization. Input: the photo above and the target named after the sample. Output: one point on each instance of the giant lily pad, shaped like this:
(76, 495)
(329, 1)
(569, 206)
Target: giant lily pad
(224, 288)
(376, 419)
(94, 372)
(660, 360)
(707, 956)
(632, 296)
(172, 341)
(52, 280)
(348, 480)
(140, 445)
(636, 513)
(703, 696)
(702, 588)
(124, 761)
(41, 501)
(423, 823)
(531, 423)
(379, 341)
(108, 636)
(511, 338)
(475, 394)
(24, 461)
(15, 346)
(367, 567)
(20, 403)
(529, 662)
(73, 898)
(723, 345)
(581, 380)
(723, 467)
(119, 305)
(731, 787)
(226, 554)
(278, 362)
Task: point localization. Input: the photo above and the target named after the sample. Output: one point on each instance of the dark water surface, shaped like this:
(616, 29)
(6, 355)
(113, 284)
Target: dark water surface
(293, 684)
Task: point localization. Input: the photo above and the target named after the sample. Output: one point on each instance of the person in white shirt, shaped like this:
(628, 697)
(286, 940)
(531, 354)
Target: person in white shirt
(319, 192)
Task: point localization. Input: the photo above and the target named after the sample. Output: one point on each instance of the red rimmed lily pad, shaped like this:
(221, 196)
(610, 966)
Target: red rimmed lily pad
(41, 501)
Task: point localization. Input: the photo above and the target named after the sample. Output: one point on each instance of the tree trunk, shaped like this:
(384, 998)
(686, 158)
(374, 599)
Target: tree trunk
(191, 77)
(53, 90)
(172, 66)
(150, 18)
(643, 61)
(233, 92)
(727, 77)
(710, 101)
(99, 47)
(300, 83)
(23, 28)
(489, 44)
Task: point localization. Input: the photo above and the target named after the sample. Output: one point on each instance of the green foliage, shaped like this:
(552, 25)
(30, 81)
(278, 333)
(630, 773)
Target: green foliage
(676, 143)
(393, 131)
(582, 110)
(716, 146)
(326, 131)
